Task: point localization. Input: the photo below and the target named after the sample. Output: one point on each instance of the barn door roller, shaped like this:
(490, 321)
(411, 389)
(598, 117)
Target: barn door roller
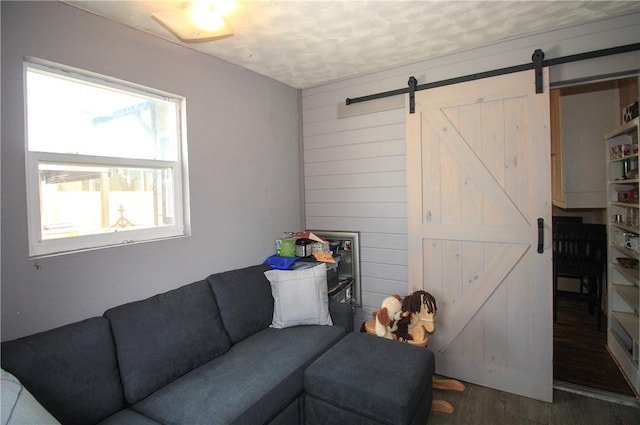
(413, 83)
(537, 58)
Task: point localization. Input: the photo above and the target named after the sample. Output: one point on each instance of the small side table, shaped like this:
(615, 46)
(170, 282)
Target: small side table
(340, 305)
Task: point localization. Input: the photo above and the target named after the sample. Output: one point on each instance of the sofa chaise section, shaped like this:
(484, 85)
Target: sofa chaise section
(251, 384)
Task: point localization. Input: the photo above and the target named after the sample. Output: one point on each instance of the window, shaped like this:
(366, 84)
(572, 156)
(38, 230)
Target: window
(104, 162)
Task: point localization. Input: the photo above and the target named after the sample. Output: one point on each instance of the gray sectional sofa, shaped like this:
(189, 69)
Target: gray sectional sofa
(202, 353)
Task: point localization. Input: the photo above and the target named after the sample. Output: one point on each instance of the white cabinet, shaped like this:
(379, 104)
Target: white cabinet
(579, 118)
(623, 334)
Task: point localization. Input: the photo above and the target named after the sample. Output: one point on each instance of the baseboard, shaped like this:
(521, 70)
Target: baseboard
(598, 394)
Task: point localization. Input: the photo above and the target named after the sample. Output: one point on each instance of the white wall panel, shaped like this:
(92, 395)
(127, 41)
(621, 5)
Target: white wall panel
(338, 181)
(353, 166)
(355, 137)
(394, 257)
(361, 209)
(388, 240)
(377, 119)
(324, 112)
(384, 271)
(338, 152)
(365, 194)
(363, 225)
(383, 287)
(364, 148)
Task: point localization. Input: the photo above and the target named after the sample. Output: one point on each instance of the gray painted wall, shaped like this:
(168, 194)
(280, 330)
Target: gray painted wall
(355, 156)
(243, 160)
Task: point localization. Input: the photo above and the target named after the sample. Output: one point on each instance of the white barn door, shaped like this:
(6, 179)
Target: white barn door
(478, 176)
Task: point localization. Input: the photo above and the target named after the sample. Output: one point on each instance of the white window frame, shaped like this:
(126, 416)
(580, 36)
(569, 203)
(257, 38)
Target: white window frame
(179, 168)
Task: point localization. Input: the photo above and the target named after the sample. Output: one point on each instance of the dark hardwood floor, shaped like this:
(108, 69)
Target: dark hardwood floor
(478, 405)
(580, 354)
(589, 388)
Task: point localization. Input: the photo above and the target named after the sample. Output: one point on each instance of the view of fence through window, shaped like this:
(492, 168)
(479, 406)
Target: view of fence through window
(107, 157)
(79, 200)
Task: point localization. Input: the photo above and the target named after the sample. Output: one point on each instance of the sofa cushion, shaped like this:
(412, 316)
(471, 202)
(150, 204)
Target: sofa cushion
(165, 336)
(292, 414)
(128, 417)
(245, 300)
(19, 407)
(300, 297)
(250, 384)
(72, 370)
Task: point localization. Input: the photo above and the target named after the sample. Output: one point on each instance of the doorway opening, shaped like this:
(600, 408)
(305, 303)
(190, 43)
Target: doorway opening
(580, 116)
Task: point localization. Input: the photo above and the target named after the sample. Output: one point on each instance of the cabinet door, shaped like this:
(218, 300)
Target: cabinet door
(579, 117)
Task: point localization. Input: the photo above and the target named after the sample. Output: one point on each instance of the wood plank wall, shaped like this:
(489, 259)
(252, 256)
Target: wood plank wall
(355, 180)
(354, 161)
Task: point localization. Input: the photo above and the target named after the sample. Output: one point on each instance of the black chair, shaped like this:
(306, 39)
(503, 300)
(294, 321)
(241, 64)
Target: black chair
(580, 252)
(562, 219)
(566, 218)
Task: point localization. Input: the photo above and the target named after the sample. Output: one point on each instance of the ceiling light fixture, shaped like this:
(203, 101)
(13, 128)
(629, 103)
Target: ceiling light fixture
(199, 21)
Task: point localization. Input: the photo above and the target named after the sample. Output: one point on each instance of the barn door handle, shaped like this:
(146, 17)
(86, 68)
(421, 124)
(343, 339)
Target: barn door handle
(540, 235)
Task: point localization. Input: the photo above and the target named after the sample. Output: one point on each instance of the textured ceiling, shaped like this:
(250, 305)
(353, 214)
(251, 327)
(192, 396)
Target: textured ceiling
(307, 43)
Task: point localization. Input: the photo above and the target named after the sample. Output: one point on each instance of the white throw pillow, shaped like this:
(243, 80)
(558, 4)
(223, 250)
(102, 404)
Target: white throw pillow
(300, 297)
(19, 407)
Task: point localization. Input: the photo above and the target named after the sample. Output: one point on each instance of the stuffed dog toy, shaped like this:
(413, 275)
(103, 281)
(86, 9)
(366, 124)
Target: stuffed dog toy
(387, 317)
